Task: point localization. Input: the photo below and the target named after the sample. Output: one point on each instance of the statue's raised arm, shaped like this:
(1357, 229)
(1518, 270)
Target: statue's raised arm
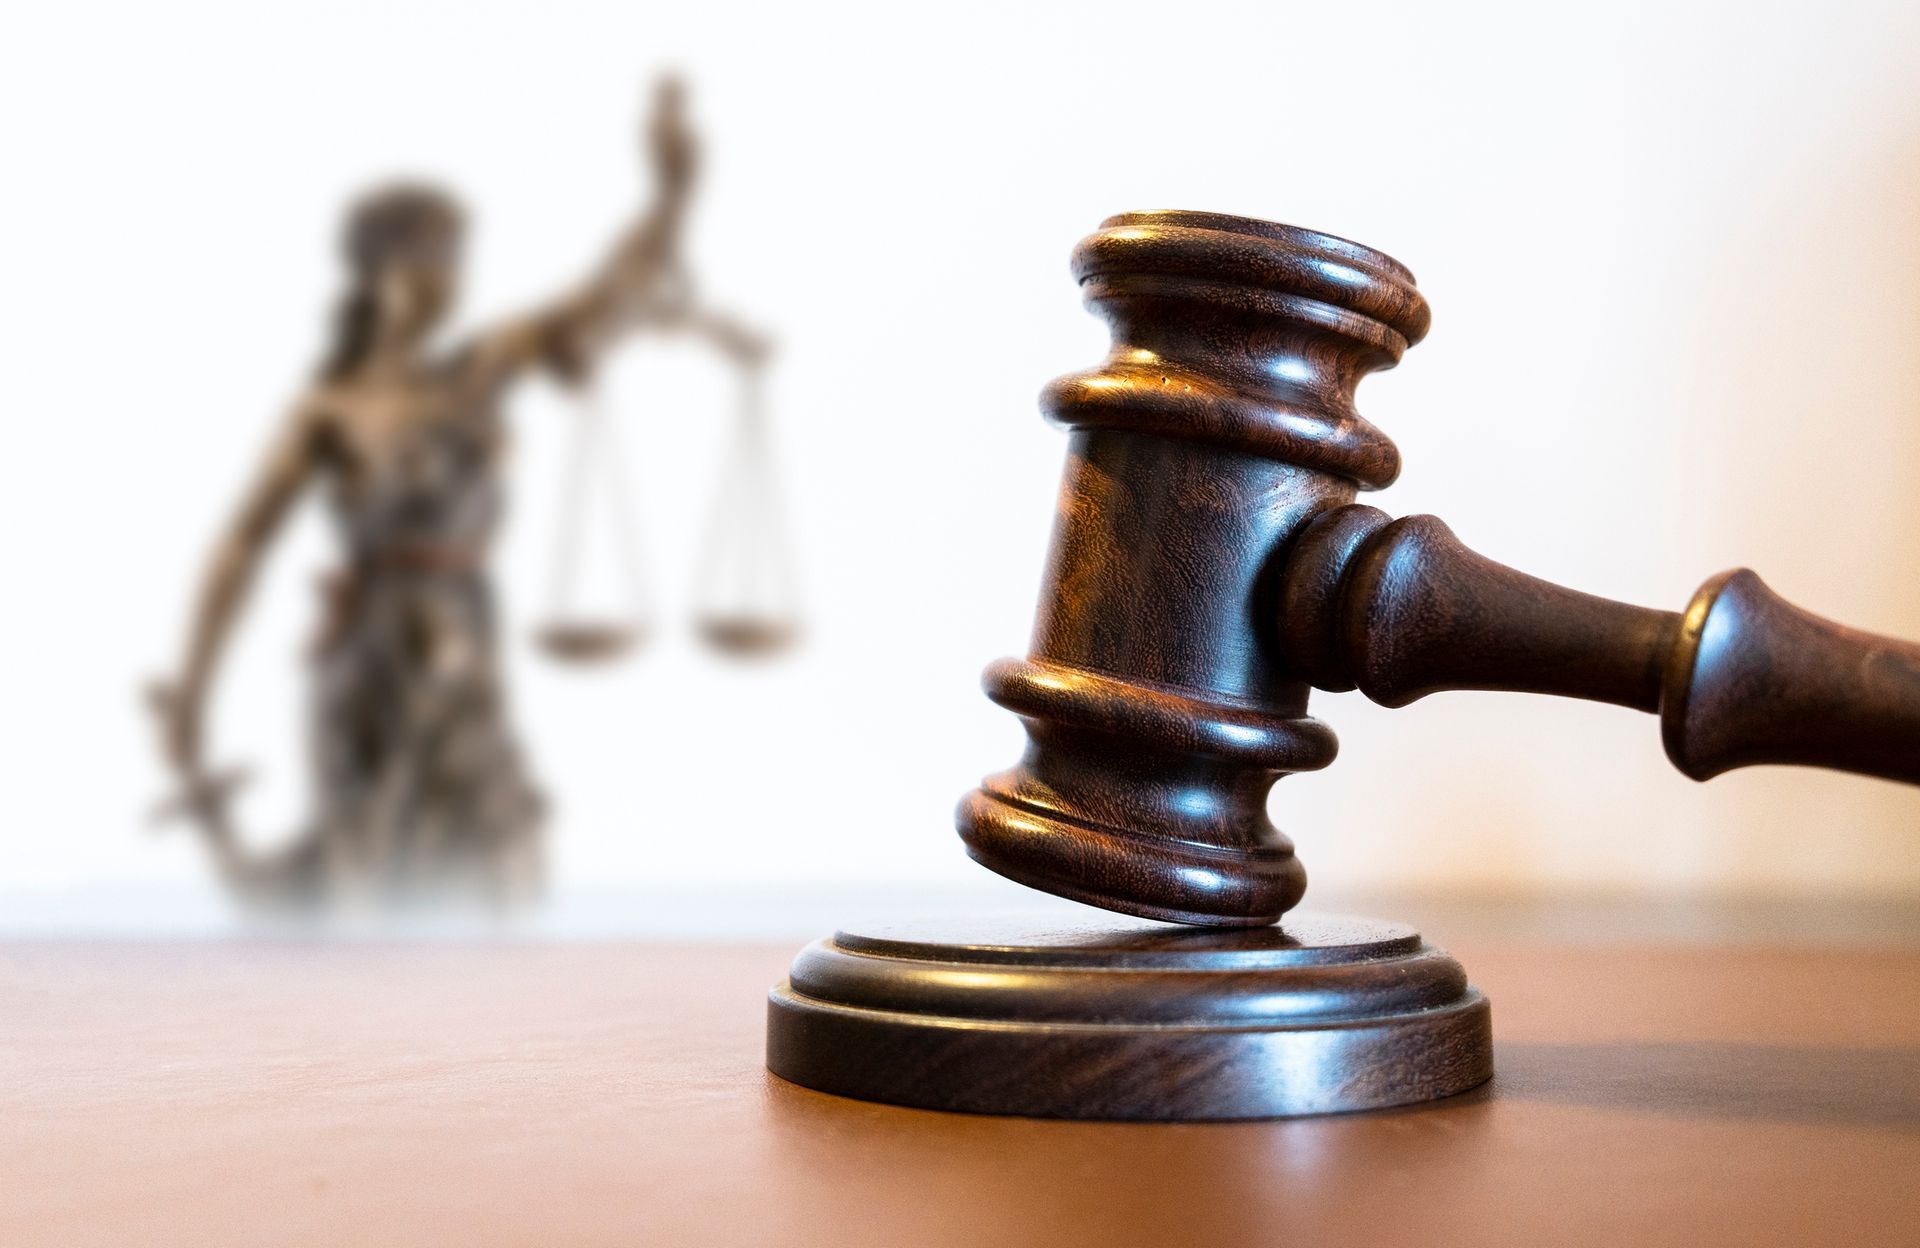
(642, 283)
(421, 788)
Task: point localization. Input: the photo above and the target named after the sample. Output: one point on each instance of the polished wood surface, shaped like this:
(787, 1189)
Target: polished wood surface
(1401, 609)
(1223, 419)
(1758, 680)
(1209, 567)
(222, 1094)
(1131, 1020)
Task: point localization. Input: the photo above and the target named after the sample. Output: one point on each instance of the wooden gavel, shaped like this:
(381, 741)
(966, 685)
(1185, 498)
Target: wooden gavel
(1209, 567)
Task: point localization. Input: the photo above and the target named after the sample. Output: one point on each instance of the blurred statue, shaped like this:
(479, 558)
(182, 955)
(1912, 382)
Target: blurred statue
(423, 790)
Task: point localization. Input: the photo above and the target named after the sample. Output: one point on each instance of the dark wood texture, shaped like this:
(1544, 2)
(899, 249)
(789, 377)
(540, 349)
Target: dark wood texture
(1209, 566)
(1754, 679)
(1157, 715)
(213, 1095)
(1135, 1020)
(1401, 609)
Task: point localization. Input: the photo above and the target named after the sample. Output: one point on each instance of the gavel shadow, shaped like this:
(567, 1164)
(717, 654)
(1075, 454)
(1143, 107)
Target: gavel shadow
(1876, 1087)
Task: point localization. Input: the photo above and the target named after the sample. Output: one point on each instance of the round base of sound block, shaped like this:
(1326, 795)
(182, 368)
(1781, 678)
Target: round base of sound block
(1121, 1019)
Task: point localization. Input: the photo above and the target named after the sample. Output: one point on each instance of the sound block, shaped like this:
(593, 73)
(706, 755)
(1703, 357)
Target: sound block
(1127, 1019)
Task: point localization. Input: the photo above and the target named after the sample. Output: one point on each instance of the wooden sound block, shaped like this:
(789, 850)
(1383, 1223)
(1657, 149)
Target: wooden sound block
(1126, 1019)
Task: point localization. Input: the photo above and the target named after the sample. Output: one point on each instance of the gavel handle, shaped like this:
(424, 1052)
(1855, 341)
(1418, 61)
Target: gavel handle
(1400, 609)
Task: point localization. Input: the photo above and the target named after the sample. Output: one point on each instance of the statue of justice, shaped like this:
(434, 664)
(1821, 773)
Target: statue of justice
(1210, 569)
(423, 789)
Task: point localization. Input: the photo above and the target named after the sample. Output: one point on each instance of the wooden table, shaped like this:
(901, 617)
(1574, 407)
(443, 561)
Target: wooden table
(270, 1094)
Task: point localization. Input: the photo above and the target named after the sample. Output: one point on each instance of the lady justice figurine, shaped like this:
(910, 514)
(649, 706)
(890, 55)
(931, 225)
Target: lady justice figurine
(423, 791)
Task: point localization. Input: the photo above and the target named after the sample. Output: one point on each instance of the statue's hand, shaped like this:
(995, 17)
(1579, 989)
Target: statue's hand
(179, 716)
(203, 795)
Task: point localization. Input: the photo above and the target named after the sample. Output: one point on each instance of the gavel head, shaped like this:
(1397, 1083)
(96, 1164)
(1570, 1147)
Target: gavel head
(1158, 711)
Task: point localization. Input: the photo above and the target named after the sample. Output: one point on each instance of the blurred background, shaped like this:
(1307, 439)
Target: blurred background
(1673, 252)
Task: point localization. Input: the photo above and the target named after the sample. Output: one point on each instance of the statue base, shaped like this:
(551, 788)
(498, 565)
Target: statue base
(1125, 1019)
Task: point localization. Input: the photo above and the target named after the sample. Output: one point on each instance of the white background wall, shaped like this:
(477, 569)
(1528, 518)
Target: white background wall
(1673, 252)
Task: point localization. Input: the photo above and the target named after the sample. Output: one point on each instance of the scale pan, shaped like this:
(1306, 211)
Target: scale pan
(588, 641)
(748, 636)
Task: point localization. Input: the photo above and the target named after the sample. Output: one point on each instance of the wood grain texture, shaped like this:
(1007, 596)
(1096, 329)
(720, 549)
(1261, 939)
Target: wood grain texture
(208, 1095)
(1209, 567)
(1158, 717)
(1756, 679)
(1401, 609)
(1132, 1021)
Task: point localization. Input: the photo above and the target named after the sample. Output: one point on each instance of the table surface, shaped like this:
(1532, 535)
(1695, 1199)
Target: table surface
(482, 1094)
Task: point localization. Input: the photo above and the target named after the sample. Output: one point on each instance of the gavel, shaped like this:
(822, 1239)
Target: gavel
(1210, 567)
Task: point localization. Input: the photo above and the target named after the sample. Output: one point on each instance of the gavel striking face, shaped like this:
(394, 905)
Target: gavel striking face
(1209, 568)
